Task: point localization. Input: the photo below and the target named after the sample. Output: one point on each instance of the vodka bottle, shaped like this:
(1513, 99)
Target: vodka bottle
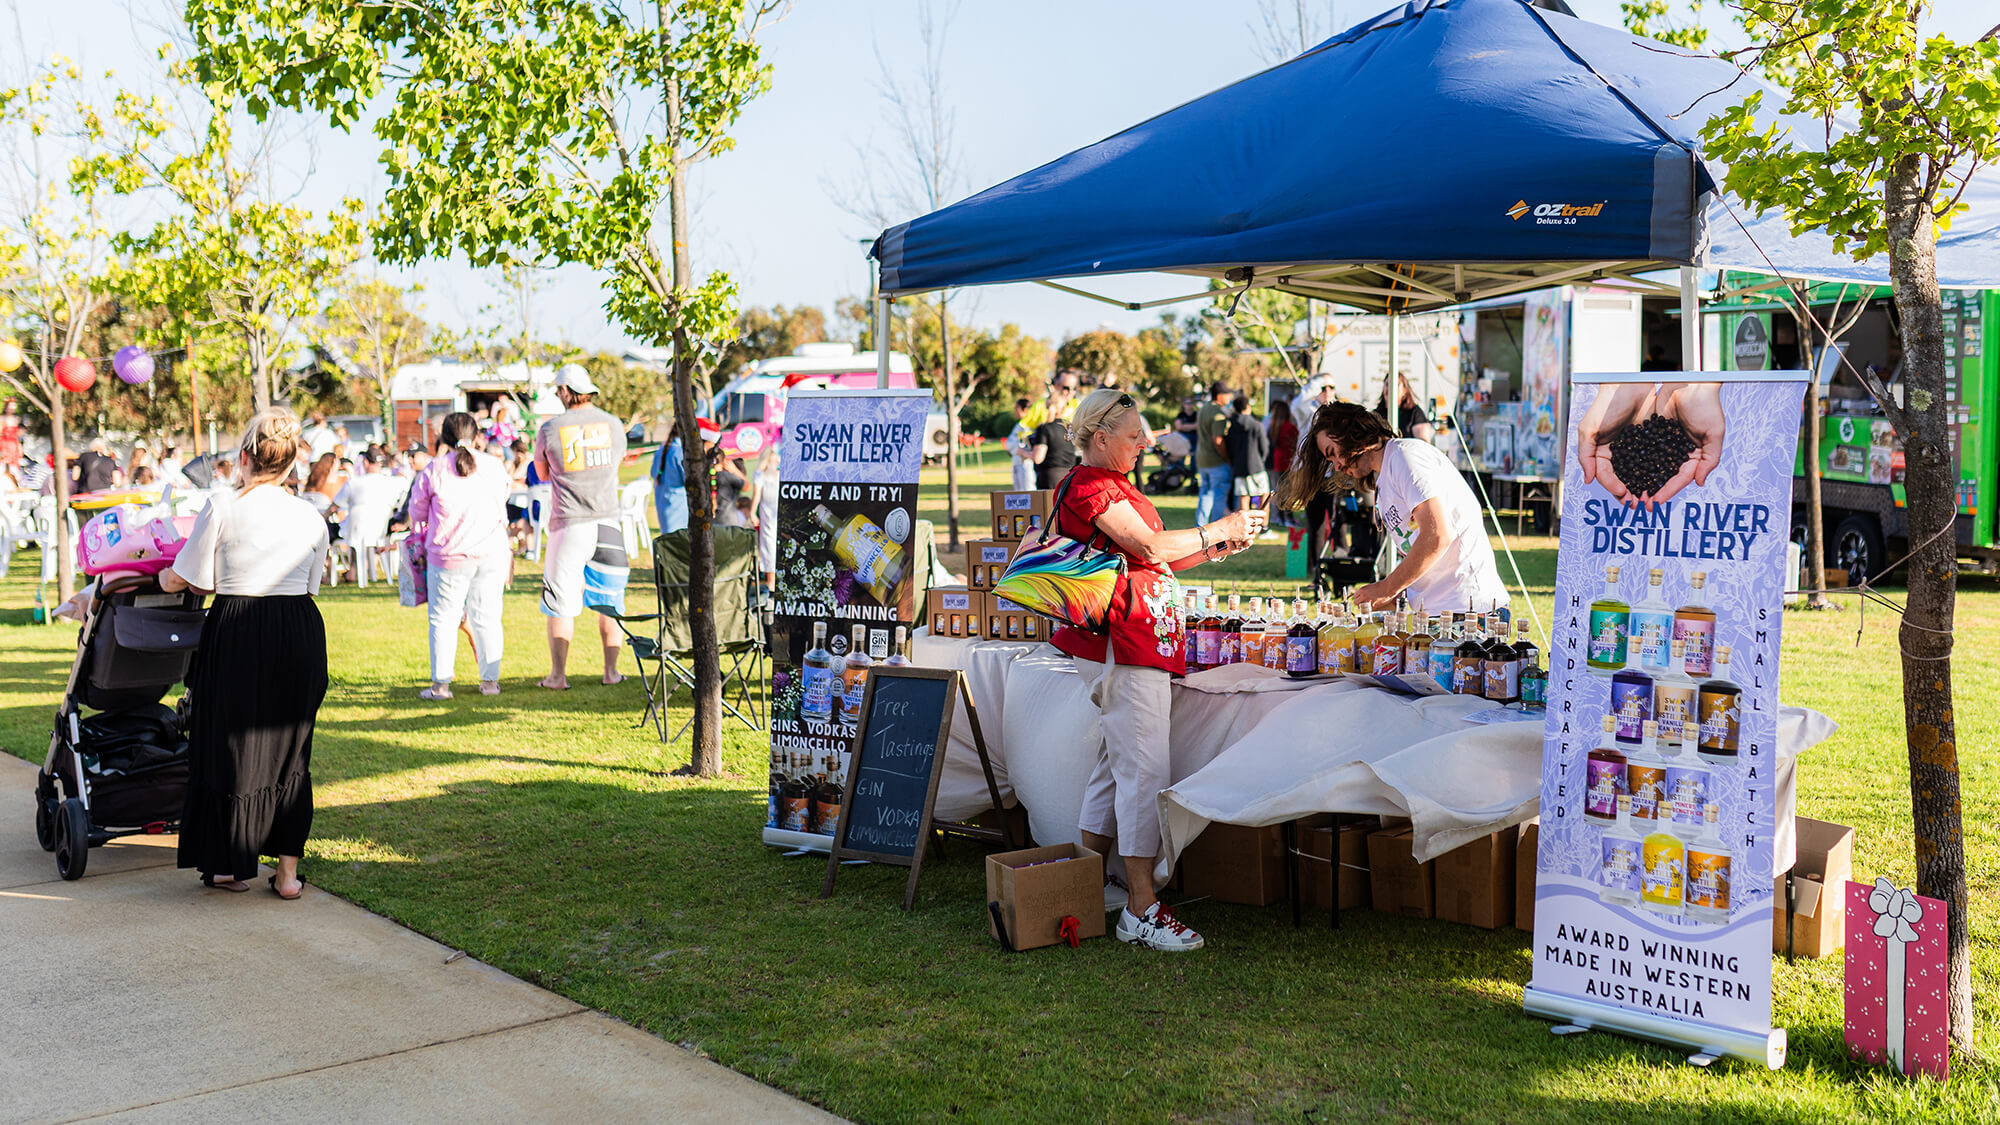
(817, 678)
(1652, 625)
(854, 677)
(899, 654)
(1665, 857)
(1674, 699)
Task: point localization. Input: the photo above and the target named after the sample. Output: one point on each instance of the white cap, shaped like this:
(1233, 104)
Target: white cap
(573, 376)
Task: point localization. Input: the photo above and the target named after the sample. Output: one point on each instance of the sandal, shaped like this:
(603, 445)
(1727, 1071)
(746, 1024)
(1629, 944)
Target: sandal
(233, 886)
(273, 880)
(435, 694)
(489, 687)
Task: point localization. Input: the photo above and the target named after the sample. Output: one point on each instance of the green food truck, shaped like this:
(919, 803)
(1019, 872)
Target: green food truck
(1861, 458)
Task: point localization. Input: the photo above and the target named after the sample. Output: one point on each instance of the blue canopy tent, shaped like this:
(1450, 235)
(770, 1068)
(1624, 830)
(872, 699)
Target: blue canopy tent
(1443, 152)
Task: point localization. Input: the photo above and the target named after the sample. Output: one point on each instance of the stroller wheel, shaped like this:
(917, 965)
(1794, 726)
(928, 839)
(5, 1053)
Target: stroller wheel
(72, 839)
(45, 823)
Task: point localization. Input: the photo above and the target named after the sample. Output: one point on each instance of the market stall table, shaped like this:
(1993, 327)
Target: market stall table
(1255, 747)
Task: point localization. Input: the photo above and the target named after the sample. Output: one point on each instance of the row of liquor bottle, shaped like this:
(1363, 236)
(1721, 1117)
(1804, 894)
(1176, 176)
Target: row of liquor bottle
(1642, 635)
(1468, 653)
(1662, 872)
(1667, 779)
(1709, 712)
(807, 793)
(831, 687)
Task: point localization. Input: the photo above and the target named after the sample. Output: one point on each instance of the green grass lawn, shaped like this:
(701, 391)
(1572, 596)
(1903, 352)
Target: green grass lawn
(537, 832)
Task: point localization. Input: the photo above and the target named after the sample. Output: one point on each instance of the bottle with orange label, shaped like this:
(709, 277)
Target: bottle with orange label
(1250, 635)
(1708, 870)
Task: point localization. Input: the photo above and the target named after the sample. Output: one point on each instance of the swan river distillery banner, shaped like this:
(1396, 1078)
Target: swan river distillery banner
(847, 515)
(1654, 883)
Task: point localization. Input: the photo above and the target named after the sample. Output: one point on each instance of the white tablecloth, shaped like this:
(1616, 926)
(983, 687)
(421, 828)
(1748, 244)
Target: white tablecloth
(1254, 747)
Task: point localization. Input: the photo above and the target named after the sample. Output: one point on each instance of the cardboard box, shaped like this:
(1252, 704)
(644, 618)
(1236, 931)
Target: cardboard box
(1316, 866)
(1007, 621)
(1397, 883)
(955, 611)
(1475, 883)
(1015, 514)
(1231, 863)
(1524, 875)
(1819, 891)
(986, 560)
(1037, 888)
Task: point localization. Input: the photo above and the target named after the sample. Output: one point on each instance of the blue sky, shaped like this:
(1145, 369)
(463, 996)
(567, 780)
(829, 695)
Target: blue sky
(1027, 80)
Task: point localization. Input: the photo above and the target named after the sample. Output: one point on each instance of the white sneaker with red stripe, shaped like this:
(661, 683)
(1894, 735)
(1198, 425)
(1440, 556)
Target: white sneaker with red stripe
(1157, 929)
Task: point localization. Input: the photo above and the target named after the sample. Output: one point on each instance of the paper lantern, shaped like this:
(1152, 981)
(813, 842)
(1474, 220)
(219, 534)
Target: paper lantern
(132, 364)
(10, 355)
(75, 374)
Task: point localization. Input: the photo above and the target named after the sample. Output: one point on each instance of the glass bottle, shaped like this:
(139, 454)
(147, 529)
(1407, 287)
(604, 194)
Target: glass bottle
(1190, 618)
(1534, 685)
(1386, 654)
(899, 652)
(1689, 784)
(1720, 700)
(1347, 643)
(1277, 637)
(1631, 701)
(1326, 634)
(1652, 627)
(1605, 785)
(1610, 620)
(1468, 663)
(1501, 668)
(1694, 627)
(1529, 652)
(1231, 651)
(877, 562)
(1708, 867)
(1443, 648)
(795, 814)
(1250, 635)
(1364, 643)
(817, 678)
(1674, 698)
(772, 814)
(1646, 778)
(827, 801)
(1622, 860)
(1417, 650)
(1208, 637)
(1301, 644)
(854, 677)
(1665, 859)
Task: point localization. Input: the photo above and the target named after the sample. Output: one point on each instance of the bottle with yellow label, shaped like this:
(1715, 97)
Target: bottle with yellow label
(1665, 857)
(1708, 867)
(864, 550)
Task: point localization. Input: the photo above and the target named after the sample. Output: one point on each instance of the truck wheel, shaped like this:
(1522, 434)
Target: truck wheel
(1856, 547)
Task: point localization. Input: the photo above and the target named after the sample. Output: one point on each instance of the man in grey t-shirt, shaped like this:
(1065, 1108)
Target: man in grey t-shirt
(578, 452)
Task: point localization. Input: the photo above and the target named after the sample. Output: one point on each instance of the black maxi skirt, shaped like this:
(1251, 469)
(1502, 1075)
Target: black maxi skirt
(255, 689)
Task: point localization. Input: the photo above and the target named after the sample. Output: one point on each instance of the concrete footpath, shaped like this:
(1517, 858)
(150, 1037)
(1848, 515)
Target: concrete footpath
(133, 994)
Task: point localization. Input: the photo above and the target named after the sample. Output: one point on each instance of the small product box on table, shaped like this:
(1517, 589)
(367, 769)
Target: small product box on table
(1524, 875)
(1231, 863)
(986, 560)
(956, 612)
(1037, 888)
(1007, 621)
(1819, 891)
(1015, 514)
(1475, 882)
(1316, 866)
(1396, 881)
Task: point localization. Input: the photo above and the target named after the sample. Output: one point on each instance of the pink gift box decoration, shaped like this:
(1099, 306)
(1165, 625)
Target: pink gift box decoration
(1897, 1009)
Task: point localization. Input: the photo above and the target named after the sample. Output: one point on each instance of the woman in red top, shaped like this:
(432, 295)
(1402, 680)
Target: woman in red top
(1146, 634)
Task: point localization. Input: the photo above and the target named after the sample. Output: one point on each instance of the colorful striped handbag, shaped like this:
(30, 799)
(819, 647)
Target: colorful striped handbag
(1064, 579)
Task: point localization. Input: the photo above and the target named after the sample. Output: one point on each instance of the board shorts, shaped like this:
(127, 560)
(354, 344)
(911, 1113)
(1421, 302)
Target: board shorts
(584, 566)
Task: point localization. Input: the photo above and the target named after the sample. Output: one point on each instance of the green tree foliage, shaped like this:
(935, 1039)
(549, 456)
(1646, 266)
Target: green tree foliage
(763, 333)
(1655, 20)
(368, 331)
(1906, 120)
(1101, 353)
(532, 132)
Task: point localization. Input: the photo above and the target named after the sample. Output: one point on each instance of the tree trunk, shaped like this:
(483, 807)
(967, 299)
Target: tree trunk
(65, 544)
(706, 752)
(950, 428)
(1815, 509)
(1925, 636)
(260, 378)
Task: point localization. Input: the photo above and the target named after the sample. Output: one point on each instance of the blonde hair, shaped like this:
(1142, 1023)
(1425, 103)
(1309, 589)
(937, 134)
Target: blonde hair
(1098, 411)
(271, 444)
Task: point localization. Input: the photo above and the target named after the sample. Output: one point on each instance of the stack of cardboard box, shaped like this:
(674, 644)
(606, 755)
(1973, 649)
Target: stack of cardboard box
(1015, 514)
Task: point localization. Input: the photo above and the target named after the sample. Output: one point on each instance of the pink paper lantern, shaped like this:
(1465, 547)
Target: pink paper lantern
(75, 374)
(132, 364)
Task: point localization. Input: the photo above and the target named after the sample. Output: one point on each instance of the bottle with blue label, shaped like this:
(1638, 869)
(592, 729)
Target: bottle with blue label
(1621, 864)
(817, 678)
(854, 678)
(1631, 702)
(1652, 628)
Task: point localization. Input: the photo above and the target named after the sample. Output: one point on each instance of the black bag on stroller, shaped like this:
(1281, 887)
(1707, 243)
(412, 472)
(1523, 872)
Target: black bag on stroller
(137, 762)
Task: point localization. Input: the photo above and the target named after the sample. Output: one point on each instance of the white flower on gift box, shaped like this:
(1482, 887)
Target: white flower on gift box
(1896, 910)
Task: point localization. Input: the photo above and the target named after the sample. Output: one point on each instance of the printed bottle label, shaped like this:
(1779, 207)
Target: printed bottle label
(796, 814)
(1687, 792)
(1606, 781)
(818, 693)
(1672, 707)
(1607, 638)
(1718, 722)
(1647, 784)
(1441, 668)
(1299, 655)
(1621, 865)
(1633, 705)
(1651, 637)
(1662, 879)
(1697, 640)
(1708, 880)
(1503, 679)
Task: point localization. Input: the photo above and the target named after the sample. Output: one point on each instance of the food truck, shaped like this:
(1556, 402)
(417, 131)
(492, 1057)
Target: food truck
(751, 407)
(423, 393)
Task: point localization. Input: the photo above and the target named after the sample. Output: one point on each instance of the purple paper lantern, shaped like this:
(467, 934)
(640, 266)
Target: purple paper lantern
(132, 364)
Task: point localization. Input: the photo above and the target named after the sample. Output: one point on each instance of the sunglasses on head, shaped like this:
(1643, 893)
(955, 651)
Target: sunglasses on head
(1125, 401)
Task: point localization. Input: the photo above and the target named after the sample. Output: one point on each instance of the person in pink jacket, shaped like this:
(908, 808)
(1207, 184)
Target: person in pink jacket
(459, 507)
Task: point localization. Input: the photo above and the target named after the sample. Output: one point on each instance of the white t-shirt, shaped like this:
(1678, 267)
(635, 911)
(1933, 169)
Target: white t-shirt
(1465, 577)
(262, 542)
(369, 501)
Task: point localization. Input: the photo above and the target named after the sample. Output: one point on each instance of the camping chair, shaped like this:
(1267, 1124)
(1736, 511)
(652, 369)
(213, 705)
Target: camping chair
(666, 639)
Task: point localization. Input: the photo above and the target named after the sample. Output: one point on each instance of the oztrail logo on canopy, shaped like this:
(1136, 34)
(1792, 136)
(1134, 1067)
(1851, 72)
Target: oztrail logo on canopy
(1555, 214)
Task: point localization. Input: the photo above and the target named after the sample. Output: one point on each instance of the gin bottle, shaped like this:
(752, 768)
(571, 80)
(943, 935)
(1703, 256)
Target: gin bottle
(1610, 620)
(1622, 859)
(1708, 871)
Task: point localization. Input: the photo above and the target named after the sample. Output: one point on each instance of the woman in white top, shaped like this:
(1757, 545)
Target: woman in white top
(1422, 502)
(260, 674)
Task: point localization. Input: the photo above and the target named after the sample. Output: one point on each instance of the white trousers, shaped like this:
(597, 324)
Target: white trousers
(1122, 798)
(473, 594)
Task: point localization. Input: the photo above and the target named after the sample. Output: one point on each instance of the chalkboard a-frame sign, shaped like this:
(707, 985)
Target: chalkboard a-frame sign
(894, 764)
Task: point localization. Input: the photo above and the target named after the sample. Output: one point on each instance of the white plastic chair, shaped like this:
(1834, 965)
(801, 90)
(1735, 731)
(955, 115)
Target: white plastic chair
(17, 526)
(633, 501)
(541, 499)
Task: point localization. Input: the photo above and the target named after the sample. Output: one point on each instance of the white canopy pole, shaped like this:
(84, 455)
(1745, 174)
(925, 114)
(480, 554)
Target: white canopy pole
(1690, 322)
(1392, 395)
(881, 340)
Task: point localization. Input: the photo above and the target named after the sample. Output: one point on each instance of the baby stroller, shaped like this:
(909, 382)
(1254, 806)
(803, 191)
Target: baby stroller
(1174, 473)
(118, 759)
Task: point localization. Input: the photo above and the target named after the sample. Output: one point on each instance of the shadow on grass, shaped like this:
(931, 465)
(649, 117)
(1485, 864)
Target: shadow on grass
(659, 904)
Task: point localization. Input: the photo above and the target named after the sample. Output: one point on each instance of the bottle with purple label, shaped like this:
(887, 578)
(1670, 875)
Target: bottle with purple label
(1604, 776)
(1631, 702)
(1694, 628)
(1621, 865)
(1688, 782)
